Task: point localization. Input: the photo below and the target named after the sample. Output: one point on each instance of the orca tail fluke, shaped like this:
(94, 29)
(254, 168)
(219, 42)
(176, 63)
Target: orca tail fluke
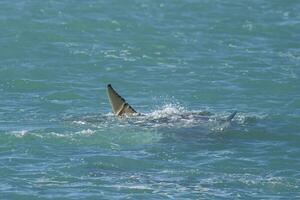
(118, 103)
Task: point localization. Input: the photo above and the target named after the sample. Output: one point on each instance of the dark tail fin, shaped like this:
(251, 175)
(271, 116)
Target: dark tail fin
(230, 117)
(118, 104)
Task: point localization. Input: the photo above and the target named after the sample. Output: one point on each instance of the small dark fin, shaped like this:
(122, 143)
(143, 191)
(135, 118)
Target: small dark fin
(230, 117)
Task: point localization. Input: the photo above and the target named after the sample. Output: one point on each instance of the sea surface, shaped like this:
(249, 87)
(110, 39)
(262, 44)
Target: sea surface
(185, 65)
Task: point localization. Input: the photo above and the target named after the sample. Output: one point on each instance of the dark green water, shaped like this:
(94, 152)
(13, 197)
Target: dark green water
(170, 60)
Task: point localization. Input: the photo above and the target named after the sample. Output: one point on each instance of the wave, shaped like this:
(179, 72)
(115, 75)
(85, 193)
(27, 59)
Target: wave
(144, 128)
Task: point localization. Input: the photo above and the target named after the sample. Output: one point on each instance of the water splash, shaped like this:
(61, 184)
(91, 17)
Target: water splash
(167, 116)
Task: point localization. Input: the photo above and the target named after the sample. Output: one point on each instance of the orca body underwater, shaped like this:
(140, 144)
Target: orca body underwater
(121, 107)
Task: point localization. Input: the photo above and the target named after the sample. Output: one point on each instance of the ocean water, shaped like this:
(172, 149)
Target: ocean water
(177, 62)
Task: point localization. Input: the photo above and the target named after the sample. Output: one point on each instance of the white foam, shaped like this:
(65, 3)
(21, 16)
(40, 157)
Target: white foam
(20, 134)
(87, 132)
(167, 110)
(79, 122)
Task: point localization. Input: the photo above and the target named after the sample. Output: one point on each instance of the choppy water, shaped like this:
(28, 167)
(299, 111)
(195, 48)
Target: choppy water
(173, 61)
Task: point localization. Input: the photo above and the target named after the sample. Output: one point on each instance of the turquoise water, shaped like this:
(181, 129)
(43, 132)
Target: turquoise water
(172, 61)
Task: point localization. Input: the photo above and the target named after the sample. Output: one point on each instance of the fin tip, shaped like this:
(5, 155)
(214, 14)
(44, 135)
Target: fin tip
(230, 117)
